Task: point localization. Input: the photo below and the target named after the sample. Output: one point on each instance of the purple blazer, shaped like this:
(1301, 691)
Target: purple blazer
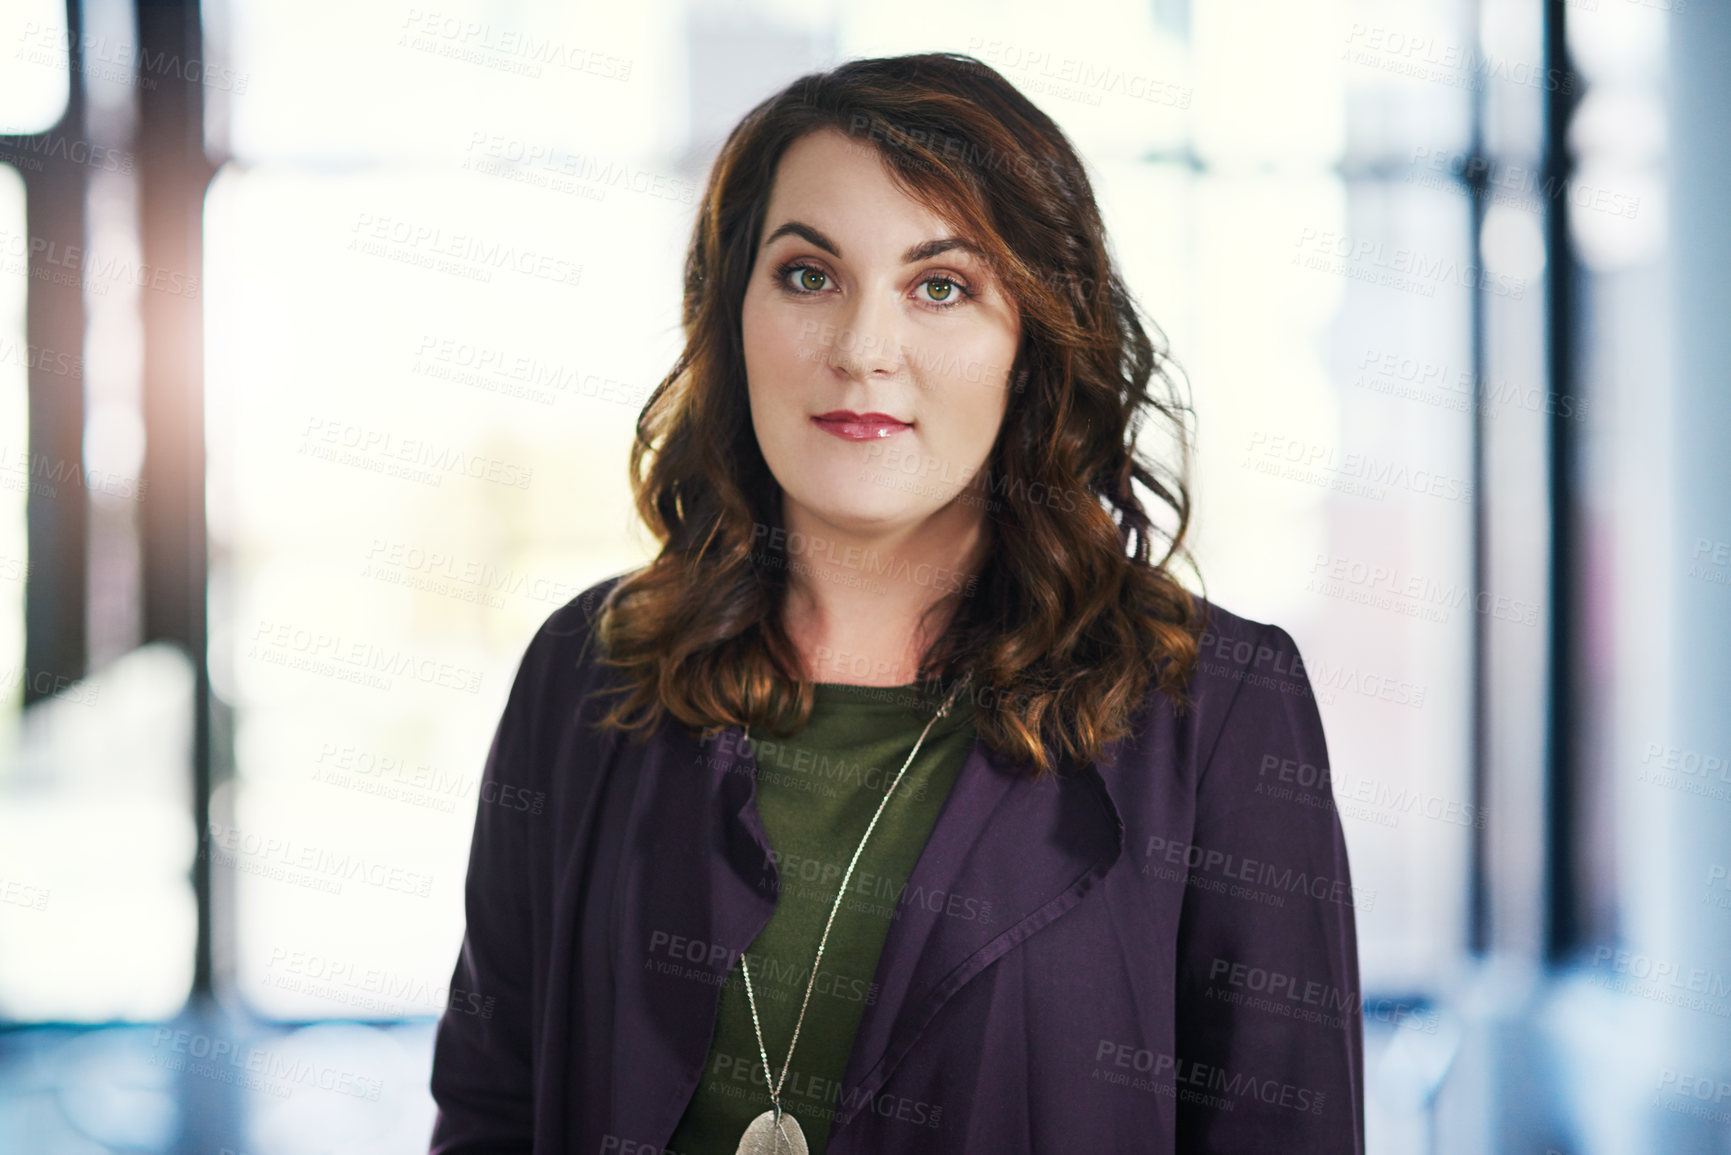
(1153, 954)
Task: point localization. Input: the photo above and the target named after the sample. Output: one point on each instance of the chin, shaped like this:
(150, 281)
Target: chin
(849, 501)
(855, 509)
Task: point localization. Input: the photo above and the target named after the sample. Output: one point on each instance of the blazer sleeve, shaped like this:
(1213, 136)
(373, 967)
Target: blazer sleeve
(1269, 1024)
(482, 1076)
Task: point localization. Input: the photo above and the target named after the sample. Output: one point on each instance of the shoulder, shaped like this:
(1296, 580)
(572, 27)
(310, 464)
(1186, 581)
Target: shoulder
(1233, 650)
(1249, 687)
(561, 660)
(571, 627)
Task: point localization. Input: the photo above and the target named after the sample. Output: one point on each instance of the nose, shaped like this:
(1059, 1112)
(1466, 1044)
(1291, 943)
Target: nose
(868, 341)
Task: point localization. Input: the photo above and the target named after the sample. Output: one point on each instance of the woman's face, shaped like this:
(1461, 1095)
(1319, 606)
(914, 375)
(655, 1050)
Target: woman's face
(863, 303)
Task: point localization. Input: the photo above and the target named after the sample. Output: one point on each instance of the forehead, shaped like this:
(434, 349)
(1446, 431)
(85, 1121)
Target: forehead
(844, 188)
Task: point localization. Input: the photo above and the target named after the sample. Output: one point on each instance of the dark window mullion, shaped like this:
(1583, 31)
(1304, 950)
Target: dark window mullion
(173, 175)
(57, 509)
(1562, 778)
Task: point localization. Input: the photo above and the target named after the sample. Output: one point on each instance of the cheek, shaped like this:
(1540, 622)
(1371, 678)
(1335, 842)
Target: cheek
(964, 427)
(774, 343)
(976, 385)
(753, 338)
(979, 420)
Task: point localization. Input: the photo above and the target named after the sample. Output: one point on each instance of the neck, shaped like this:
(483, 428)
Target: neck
(855, 598)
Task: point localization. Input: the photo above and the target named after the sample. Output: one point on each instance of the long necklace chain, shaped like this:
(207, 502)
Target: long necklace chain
(745, 970)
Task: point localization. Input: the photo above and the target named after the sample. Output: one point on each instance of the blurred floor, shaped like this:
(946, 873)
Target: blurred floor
(330, 1088)
(251, 1088)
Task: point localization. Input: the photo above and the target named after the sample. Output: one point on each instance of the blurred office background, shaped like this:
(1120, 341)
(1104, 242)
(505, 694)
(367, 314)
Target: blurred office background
(323, 328)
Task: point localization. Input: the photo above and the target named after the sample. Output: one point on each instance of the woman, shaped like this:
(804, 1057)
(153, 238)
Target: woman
(903, 803)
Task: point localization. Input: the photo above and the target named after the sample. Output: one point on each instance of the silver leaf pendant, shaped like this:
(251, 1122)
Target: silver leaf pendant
(765, 1137)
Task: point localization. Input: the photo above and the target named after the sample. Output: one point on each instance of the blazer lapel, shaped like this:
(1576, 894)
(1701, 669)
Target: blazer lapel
(1005, 858)
(696, 886)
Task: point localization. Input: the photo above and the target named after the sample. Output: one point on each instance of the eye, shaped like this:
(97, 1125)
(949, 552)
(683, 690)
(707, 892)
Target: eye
(941, 290)
(811, 279)
(944, 292)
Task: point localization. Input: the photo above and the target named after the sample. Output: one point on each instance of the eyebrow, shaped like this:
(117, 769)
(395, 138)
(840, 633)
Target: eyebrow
(923, 251)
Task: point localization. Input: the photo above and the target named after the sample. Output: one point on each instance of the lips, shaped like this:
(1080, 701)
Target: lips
(851, 426)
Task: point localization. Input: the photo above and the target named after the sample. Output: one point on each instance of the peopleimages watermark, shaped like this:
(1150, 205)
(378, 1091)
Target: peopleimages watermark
(325, 652)
(306, 864)
(879, 895)
(742, 1076)
(857, 664)
(677, 956)
(121, 61)
(1287, 672)
(465, 255)
(912, 467)
(1365, 259)
(612, 1144)
(1661, 980)
(1252, 879)
(410, 458)
(28, 152)
(1306, 1000)
(40, 358)
(463, 579)
(417, 783)
(795, 760)
(1717, 555)
(1691, 771)
(27, 895)
(1360, 474)
(42, 476)
(1192, 1081)
(390, 777)
(1431, 382)
(48, 683)
(520, 375)
(1718, 879)
(1074, 78)
(58, 263)
(502, 49)
(950, 147)
(1593, 6)
(1423, 57)
(1296, 780)
(1382, 586)
(1517, 186)
(254, 1068)
(796, 544)
(560, 170)
(1684, 1087)
(375, 989)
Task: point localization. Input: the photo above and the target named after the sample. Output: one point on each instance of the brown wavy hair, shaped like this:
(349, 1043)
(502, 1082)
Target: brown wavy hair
(1070, 619)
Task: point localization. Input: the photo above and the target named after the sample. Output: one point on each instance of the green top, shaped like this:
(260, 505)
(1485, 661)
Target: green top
(816, 793)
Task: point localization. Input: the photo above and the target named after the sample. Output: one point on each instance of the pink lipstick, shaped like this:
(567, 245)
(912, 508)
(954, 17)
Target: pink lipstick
(851, 426)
